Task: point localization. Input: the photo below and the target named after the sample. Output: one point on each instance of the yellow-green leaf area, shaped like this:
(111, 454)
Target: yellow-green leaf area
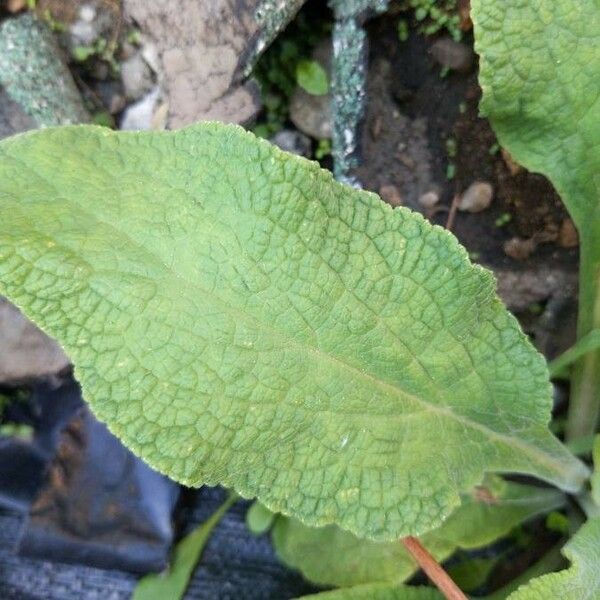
(378, 591)
(540, 75)
(237, 317)
(331, 556)
(581, 581)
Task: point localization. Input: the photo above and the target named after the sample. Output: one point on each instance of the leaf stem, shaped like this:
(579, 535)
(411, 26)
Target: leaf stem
(452, 213)
(432, 569)
(584, 406)
(185, 557)
(588, 343)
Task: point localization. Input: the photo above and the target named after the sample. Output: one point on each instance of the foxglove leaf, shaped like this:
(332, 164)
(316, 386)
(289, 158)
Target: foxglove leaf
(539, 71)
(236, 316)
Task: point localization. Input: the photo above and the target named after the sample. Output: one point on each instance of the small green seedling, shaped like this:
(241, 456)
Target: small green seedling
(312, 77)
(503, 220)
(435, 16)
(323, 149)
(494, 149)
(403, 30)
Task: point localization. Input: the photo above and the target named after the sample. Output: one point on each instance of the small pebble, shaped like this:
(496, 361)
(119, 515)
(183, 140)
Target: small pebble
(452, 55)
(111, 94)
(87, 13)
(85, 30)
(406, 160)
(293, 141)
(138, 116)
(519, 248)
(100, 70)
(567, 235)
(429, 199)
(376, 125)
(391, 195)
(514, 167)
(136, 77)
(311, 114)
(150, 54)
(159, 118)
(14, 6)
(477, 197)
(464, 14)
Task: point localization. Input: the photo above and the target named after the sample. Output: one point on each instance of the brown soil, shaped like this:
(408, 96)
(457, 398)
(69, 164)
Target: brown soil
(412, 111)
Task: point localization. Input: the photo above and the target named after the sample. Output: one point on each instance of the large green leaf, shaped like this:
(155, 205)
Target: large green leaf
(331, 556)
(581, 581)
(236, 316)
(540, 75)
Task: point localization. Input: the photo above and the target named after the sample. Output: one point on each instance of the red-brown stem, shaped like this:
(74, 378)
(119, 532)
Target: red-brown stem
(452, 213)
(432, 569)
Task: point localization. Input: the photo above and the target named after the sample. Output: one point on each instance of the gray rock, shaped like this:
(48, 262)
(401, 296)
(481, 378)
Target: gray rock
(311, 114)
(477, 197)
(85, 30)
(139, 116)
(391, 194)
(112, 95)
(205, 50)
(27, 352)
(520, 289)
(293, 141)
(136, 77)
(150, 54)
(93, 20)
(453, 55)
(429, 199)
(34, 74)
(13, 118)
(553, 331)
(519, 248)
